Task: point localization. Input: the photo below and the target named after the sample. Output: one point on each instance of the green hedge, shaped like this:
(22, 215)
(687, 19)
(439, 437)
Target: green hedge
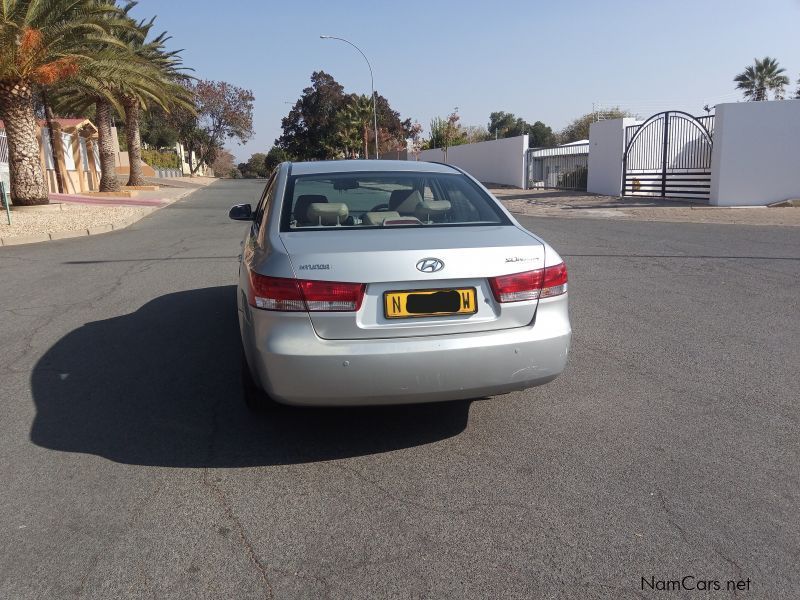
(161, 159)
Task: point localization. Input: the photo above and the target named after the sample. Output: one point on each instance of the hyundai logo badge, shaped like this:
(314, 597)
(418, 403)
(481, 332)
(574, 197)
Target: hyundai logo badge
(430, 265)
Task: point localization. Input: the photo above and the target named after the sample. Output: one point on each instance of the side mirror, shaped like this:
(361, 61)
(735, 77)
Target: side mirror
(241, 212)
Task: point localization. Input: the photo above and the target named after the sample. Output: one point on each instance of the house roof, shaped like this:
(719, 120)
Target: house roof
(72, 123)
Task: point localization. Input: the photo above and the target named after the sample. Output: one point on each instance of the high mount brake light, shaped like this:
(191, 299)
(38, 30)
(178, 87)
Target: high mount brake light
(530, 285)
(298, 295)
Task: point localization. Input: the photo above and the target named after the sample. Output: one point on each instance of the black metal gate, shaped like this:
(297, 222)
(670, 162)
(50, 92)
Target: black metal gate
(669, 156)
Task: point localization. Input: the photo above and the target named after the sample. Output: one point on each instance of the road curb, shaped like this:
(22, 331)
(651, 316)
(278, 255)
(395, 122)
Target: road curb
(20, 240)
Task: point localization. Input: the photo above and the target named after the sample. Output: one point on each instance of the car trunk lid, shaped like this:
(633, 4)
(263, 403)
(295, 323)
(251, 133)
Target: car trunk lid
(386, 260)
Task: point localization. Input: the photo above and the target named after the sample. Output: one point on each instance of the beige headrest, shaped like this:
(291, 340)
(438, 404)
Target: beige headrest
(330, 213)
(377, 218)
(431, 208)
(407, 206)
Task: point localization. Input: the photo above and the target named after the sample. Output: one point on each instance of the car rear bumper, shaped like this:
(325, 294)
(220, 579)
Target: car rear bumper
(295, 366)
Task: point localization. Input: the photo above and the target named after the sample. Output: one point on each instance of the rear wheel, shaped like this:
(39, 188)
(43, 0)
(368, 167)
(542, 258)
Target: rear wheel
(256, 399)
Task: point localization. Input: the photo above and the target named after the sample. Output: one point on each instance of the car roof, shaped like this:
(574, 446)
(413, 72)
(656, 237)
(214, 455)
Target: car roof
(352, 166)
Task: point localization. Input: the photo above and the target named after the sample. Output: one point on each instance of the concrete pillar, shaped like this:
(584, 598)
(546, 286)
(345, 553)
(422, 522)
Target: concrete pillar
(94, 182)
(606, 149)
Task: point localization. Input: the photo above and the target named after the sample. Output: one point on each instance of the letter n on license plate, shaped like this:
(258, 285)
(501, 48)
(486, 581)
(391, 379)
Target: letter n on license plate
(429, 303)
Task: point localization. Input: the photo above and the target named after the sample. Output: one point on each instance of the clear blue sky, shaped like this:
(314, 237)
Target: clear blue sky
(546, 61)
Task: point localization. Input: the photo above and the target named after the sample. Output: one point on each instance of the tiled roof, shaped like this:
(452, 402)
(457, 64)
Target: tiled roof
(61, 121)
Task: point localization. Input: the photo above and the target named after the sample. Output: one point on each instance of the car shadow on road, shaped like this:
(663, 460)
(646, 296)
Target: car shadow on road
(161, 386)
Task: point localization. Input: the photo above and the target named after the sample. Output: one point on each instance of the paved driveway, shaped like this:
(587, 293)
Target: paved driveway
(130, 467)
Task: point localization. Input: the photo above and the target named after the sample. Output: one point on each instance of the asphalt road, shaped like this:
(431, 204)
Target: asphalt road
(130, 468)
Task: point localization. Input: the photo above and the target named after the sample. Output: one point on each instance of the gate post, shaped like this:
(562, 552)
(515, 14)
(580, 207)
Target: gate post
(664, 156)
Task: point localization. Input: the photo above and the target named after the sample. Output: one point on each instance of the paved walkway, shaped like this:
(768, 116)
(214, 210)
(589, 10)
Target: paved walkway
(554, 203)
(75, 215)
(105, 201)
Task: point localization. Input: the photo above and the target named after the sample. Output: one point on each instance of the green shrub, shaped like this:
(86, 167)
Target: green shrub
(161, 159)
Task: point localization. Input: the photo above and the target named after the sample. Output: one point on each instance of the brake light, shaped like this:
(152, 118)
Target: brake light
(530, 285)
(555, 281)
(293, 295)
(332, 295)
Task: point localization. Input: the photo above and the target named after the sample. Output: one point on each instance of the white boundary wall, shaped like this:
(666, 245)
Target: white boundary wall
(496, 161)
(606, 149)
(756, 153)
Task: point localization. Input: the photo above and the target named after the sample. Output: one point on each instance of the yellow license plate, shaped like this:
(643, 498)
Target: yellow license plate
(429, 303)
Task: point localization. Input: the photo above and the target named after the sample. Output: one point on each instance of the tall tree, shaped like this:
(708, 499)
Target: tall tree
(392, 130)
(41, 43)
(224, 164)
(760, 78)
(360, 113)
(540, 135)
(324, 121)
(224, 112)
(275, 156)
(160, 74)
(98, 84)
(446, 133)
(256, 166)
(503, 124)
(156, 128)
(578, 129)
(309, 129)
(476, 133)
(349, 125)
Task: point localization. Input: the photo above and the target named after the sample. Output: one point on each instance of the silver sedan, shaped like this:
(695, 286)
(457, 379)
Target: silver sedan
(379, 282)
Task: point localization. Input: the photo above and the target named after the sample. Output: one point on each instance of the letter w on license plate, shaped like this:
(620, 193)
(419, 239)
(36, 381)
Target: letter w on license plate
(429, 303)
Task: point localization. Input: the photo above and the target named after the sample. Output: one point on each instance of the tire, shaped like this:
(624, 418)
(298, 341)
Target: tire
(255, 398)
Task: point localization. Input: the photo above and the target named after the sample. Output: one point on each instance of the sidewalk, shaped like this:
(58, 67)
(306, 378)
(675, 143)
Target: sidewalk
(70, 216)
(569, 204)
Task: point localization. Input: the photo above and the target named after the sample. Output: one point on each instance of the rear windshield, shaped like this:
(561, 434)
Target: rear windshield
(380, 199)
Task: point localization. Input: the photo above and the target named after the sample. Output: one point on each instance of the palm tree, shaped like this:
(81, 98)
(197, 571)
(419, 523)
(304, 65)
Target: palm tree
(349, 128)
(121, 79)
(41, 43)
(759, 79)
(359, 114)
(97, 85)
(159, 82)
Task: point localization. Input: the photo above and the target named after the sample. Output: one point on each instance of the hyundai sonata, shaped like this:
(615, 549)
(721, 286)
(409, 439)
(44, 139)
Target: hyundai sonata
(372, 282)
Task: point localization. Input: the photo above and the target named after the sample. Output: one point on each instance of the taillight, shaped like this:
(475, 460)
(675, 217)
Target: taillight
(530, 285)
(517, 287)
(555, 281)
(332, 295)
(284, 294)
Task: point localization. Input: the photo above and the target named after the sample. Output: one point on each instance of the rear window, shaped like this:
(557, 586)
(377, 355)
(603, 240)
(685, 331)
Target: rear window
(373, 200)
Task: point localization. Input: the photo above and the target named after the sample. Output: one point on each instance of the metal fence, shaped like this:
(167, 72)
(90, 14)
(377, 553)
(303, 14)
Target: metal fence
(558, 167)
(4, 175)
(164, 173)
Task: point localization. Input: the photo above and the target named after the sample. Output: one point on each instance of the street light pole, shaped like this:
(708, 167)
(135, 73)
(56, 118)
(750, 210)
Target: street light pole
(372, 83)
